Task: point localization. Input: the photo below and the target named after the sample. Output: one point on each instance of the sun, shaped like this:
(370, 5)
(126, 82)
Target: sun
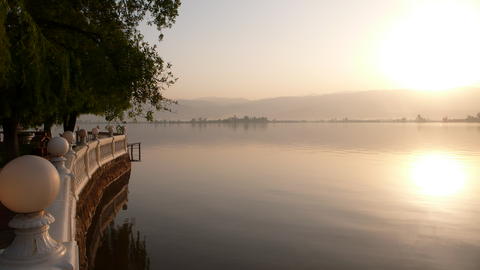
(435, 47)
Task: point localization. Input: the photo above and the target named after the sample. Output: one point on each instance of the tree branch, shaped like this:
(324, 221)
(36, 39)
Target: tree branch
(52, 24)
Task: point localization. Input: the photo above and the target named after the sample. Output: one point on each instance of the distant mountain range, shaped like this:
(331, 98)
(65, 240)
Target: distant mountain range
(381, 104)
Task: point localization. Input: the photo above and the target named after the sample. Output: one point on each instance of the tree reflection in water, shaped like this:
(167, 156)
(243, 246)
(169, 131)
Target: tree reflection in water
(122, 247)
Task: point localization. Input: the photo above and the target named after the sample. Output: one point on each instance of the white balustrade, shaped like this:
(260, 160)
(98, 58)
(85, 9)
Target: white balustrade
(40, 243)
(93, 155)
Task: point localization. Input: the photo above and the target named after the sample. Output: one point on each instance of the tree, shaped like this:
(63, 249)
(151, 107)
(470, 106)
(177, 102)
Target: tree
(59, 59)
(420, 118)
(471, 118)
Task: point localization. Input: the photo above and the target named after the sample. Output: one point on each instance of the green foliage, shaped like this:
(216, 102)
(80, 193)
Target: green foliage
(4, 44)
(64, 57)
(23, 70)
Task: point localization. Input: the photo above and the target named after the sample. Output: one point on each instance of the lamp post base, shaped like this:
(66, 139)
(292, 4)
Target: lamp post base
(32, 244)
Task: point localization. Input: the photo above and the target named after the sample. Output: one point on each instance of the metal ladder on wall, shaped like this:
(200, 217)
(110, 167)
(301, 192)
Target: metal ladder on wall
(135, 151)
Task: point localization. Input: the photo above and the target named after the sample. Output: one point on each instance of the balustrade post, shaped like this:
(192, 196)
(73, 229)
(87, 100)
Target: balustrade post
(28, 185)
(110, 130)
(70, 155)
(114, 146)
(87, 161)
(95, 132)
(82, 133)
(58, 147)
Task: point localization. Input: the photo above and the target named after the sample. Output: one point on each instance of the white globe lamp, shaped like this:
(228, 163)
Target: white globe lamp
(70, 155)
(82, 133)
(28, 185)
(95, 132)
(69, 136)
(58, 146)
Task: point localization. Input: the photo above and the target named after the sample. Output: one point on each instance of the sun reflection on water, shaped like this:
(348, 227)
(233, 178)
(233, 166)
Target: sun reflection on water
(438, 174)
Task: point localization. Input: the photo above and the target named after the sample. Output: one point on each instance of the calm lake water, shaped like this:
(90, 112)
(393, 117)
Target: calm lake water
(304, 196)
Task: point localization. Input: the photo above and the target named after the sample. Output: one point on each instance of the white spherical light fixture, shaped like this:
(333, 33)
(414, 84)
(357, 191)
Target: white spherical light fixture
(69, 136)
(58, 146)
(82, 133)
(28, 184)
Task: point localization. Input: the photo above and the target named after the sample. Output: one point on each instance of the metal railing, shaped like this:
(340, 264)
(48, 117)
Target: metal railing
(135, 151)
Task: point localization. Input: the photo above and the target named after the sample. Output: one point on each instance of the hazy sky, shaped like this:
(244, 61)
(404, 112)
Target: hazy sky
(267, 48)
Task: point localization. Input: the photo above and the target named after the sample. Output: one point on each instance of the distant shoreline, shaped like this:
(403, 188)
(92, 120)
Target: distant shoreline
(285, 121)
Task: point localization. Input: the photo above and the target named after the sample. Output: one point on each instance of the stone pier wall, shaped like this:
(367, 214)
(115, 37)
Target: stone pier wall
(91, 197)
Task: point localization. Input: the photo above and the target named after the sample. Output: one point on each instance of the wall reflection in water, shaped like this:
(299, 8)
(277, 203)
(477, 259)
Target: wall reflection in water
(111, 245)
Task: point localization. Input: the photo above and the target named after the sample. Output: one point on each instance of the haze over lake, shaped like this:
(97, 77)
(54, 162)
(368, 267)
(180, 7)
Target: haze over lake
(381, 104)
(307, 196)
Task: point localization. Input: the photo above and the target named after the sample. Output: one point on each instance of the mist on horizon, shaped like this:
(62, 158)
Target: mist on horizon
(353, 105)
